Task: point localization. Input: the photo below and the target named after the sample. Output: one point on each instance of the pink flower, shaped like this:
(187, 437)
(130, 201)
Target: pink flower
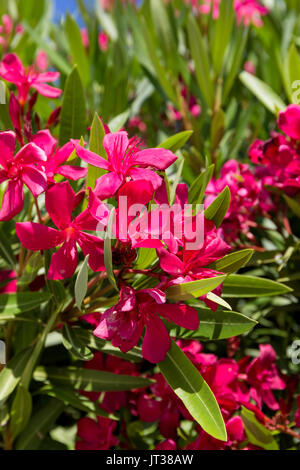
(85, 37)
(23, 168)
(8, 282)
(289, 121)
(168, 444)
(96, 435)
(250, 67)
(60, 202)
(206, 6)
(125, 161)
(12, 70)
(263, 376)
(297, 415)
(248, 200)
(103, 41)
(249, 11)
(56, 157)
(124, 322)
(41, 61)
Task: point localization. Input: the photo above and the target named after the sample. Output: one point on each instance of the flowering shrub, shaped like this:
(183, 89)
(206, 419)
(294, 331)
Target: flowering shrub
(149, 227)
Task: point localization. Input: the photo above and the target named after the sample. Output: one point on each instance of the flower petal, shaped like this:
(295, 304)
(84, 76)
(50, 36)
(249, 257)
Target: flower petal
(73, 173)
(115, 145)
(158, 158)
(107, 185)
(144, 174)
(47, 90)
(93, 246)
(64, 262)
(180, 314)
(60, 203)
(38, 237)
(35, 180)
(45, 141)
(91, 157)
(13, 200)
(31, 153)
(157, 341)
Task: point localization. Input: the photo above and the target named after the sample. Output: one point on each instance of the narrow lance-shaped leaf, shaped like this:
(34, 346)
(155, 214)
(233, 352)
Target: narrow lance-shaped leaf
(77, 48)
(90, 380)
(197, 190)
(74, 345)
(217, 325)
(21, 302)
(81, 283)
(219, 207)
(175, 142)
(39, 425)
(200, 57)
(20, 411)
(232, 262)
(10, 376)
(193, 289)
(257, 434)
(194, 392)
(72, 125)
(263, 92)
(236, 285)
(108, 252)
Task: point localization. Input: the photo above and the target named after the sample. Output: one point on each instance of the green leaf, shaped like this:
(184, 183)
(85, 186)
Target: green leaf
(39, 425)
(22, 302)
(232, 262)
(219, 207)
(197, 190)
(146, 257)
(162, 26)
(10, 376)
(74, 345)
(157, 66)
(176, 182)
(222, 33)
(4, 108)
(73, 398)
(32, 267)
(77, 48)
(5, 248)
(194, 289)
(236, 285)
(199, 54)
(72, 125)
(263, 92)
(89, 380)
(175, 142)
(194, 392)
(293, 205)
(257, 434)
(86, 336)
(292, 66)
(217, 325)
(96, 146)
(108, 252)
(54, 56)
(107, 22)
(20, 411)
(118, 121)
(81, 283)
(237, 57)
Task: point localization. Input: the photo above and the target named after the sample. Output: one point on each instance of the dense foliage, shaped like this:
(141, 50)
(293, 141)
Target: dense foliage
(149, 225)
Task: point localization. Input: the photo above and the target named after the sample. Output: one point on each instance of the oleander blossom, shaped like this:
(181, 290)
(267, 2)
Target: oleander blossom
(12, 70)
(23, 168)
(277, 159)
(56, 157)
(125, 322)
(248, 200)
(96, 435)
(125, 161)
(60, 201)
